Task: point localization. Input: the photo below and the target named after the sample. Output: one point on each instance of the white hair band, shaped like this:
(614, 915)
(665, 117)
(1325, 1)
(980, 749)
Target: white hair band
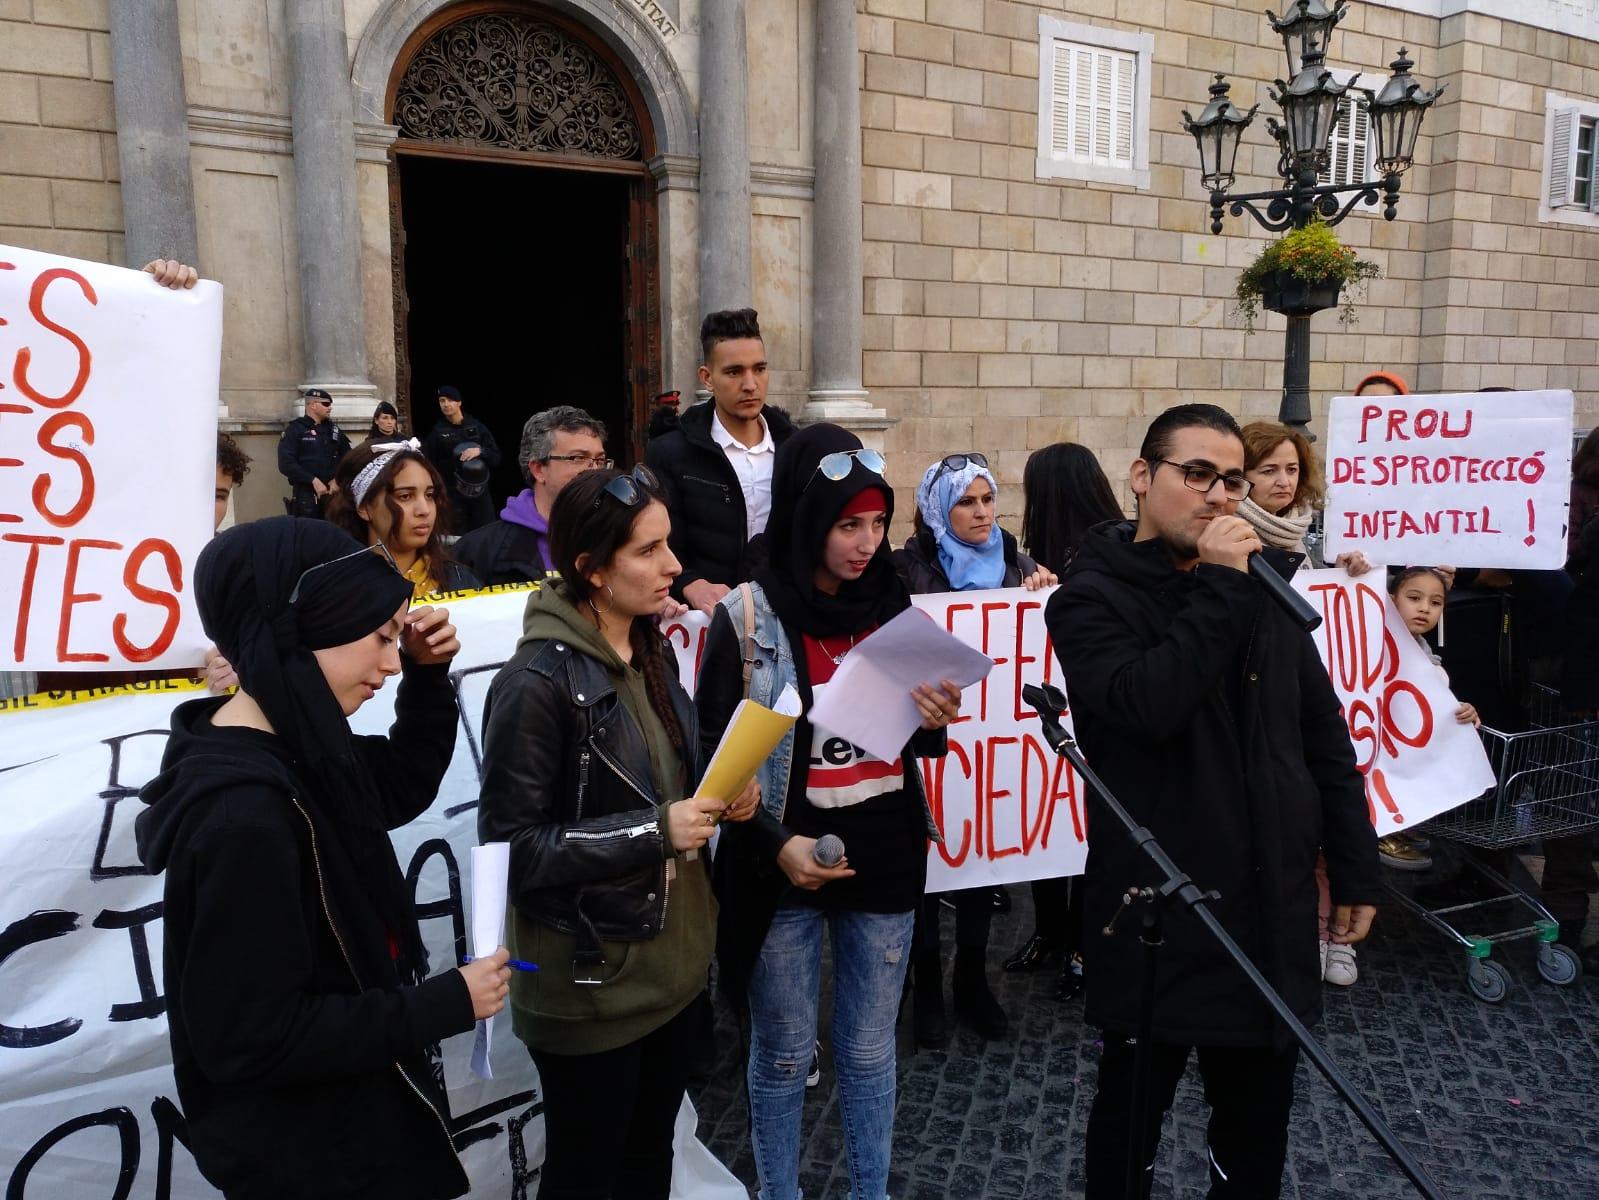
(368, 474)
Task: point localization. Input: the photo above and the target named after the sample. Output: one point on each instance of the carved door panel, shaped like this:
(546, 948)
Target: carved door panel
(402, 301)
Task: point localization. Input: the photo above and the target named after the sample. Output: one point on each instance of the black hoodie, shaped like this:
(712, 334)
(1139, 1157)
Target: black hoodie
(1211, 717)
(302, 1061)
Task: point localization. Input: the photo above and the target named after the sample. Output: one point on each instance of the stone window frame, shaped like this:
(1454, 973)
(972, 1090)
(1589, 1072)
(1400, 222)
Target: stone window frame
(1053, 30)
(1578, 111)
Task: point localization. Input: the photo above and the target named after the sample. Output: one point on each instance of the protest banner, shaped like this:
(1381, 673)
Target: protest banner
(88, 1107)
(108, 405)
(1417, 760)
(1010, 810)
(1479, 479)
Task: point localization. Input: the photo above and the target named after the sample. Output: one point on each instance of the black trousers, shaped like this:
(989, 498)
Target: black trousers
(1249, 1089)
(1058, 912)
(974, 912)
(608, 1117)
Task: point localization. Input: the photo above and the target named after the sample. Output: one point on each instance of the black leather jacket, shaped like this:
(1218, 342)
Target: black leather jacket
(567, 781)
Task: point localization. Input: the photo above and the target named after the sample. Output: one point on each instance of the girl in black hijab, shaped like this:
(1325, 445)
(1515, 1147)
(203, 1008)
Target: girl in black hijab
(302, 1019)
(828, 584)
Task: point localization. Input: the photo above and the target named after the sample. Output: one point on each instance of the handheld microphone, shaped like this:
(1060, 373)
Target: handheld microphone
(1280, 590)
(829, 850)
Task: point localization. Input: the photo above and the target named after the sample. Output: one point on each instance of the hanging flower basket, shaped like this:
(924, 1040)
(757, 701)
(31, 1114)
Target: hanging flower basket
(1303, 272)
(1284, 292)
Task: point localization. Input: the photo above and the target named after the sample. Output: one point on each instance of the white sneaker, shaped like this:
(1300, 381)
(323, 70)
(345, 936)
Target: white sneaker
(1323, 945)
(814, 1075)
(1341, 970)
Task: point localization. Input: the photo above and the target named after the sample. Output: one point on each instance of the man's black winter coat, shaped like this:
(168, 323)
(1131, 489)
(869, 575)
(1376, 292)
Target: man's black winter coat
(1210, 716)
(709, 523)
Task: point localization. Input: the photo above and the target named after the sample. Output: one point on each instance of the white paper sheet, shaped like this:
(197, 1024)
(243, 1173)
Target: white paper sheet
(869, 699)
(491, 870)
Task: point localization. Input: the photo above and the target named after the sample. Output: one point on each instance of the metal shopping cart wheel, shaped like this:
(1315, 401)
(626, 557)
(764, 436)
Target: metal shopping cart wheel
(1488, 981)
(1558, 964)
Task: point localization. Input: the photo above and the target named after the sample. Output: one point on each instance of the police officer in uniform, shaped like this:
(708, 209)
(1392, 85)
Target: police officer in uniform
(308, 452)
(465, 453)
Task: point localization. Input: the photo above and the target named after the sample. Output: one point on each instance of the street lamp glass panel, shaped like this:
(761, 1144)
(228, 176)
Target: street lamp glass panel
(1310, 107)
(1217, 132)
(1306, 27)
(1396, 114)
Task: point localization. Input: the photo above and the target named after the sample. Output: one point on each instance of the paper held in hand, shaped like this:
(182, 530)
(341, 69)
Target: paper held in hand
(491, 870)
(751, 736)
(869, 698)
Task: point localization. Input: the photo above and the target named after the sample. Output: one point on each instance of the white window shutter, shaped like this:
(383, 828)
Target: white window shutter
(1093, 103)
(1349, 147)
(1562, 157)
(1060, 93)
(1359, 142)
(1126, 106)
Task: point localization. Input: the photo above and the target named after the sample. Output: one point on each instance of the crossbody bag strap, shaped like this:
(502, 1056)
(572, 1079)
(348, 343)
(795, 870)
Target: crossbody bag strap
(747, 595)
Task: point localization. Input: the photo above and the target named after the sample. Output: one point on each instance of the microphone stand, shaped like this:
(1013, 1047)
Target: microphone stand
(1180, 889)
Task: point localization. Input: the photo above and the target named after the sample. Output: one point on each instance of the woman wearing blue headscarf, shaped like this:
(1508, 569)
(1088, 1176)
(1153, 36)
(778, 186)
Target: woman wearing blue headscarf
(958, 546)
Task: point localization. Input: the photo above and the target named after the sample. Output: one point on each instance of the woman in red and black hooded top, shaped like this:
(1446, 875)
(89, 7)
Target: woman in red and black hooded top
(827, 585)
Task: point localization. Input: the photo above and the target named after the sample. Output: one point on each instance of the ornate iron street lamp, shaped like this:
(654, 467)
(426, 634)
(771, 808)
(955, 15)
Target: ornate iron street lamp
(1309, 103)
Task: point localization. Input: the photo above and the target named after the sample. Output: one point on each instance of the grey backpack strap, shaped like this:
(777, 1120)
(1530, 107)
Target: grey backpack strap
(747, 596)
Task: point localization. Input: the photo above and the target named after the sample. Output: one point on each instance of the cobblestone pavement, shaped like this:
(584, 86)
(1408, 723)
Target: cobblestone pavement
(1498, 1102)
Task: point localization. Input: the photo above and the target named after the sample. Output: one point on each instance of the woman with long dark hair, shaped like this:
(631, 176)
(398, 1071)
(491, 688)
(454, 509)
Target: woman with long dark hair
(828, 583)
(389, 492)
(1065, 493)
(591, 754)
(302, 1016)
(958, 546)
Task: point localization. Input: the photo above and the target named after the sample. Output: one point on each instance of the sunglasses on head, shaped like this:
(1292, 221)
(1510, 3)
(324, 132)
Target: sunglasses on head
(377, 547)
(837, 465)
(632, 488)
(959, 462)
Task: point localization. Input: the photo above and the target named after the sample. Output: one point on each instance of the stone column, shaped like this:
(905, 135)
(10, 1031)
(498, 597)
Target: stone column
(327, 223)
(837, 290)
(725, 280)
(152, 133)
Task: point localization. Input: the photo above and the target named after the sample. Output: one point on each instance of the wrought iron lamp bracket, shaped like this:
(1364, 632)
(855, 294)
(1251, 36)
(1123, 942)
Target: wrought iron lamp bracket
(1282, 205)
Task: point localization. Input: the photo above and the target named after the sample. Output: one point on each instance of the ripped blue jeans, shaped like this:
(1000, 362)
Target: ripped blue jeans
(870, 951)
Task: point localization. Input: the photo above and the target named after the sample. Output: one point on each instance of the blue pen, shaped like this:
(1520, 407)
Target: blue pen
(516, 964)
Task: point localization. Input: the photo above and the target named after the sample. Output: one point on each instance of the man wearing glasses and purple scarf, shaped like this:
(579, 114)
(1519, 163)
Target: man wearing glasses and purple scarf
(558, 445)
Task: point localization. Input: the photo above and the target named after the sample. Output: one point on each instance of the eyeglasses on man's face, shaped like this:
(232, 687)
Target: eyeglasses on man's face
(1199, 478)
(587, 462)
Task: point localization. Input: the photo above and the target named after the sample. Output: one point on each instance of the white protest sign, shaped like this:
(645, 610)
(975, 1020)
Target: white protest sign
(87, 1101)
(1416, 758)
(107, 463)
(1479, 479)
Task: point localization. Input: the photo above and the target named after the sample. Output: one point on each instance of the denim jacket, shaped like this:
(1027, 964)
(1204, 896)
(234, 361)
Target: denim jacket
(773, 670)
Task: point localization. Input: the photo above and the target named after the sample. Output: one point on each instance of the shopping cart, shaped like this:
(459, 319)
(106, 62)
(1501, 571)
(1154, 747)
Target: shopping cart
(1546, 784)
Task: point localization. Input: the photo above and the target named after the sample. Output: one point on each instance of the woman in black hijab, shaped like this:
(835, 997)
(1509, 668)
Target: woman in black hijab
(302, 1019)
(828, 583)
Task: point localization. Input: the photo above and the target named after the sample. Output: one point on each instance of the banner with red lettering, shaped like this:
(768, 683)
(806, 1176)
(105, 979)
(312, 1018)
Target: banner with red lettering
(1009, 809)
(108, 406)
(1418, 760)
(1478, 479)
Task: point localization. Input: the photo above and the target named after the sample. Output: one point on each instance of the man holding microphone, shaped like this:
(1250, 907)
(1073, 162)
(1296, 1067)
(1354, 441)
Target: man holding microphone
(1208, 712)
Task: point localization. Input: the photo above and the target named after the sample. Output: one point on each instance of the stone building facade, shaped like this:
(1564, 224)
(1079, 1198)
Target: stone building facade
(537, 200)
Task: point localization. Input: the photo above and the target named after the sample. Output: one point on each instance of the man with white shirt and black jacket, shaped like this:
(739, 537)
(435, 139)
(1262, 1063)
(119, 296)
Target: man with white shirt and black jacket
(1210, 715)
(717, 464)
